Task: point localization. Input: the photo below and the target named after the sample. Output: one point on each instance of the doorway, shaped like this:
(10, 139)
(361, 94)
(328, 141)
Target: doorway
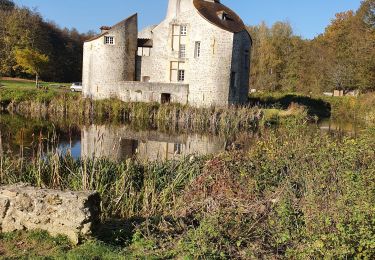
(165, 98)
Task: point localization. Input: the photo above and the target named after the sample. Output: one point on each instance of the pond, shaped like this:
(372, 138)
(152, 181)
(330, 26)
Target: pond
(27, 137)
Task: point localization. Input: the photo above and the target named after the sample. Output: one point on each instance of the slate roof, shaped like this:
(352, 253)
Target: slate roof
(213, 11)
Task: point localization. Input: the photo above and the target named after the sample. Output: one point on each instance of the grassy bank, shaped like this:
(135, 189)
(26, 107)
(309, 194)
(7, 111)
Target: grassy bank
(18, 90)
(299, 193)
(359, 109)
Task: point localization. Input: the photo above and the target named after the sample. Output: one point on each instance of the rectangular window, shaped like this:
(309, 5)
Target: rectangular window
(179, 37)
(177, 73)
(110, 40)
(177, 148)
(197, 51)
(144, 51)
(175, 37)
(183, 30)
(181, 75)
(182, 53)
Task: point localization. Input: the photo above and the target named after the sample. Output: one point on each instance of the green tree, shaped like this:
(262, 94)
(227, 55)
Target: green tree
(31, 62)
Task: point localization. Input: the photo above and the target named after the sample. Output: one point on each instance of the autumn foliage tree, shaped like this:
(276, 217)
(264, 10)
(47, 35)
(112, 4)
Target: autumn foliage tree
(25, 29)
(343, 57)
(31, 62)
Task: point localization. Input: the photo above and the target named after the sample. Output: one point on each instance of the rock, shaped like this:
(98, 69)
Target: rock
(73, 214)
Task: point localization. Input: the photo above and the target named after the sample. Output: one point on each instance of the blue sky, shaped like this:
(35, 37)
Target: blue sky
(308, 17)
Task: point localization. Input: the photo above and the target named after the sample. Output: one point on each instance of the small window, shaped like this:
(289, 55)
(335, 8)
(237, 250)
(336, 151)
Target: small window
(224, 16)
(182, 53)
(183, 30)
(177, 148)
(181, 75)
(197, 51)
(144, 51)
(110, 40)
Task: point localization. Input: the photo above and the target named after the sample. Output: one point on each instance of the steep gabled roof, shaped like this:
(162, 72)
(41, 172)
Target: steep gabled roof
(214, 12)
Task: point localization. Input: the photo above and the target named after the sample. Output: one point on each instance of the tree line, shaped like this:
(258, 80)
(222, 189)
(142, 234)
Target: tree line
(343, 57)
(31, 46)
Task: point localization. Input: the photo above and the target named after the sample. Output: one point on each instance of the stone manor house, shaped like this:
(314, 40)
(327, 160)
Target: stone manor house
(199, 55)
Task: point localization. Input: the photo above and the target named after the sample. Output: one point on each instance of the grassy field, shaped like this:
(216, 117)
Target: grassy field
(21, 90)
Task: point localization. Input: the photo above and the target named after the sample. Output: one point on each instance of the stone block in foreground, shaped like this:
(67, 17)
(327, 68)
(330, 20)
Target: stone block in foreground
(73, 214)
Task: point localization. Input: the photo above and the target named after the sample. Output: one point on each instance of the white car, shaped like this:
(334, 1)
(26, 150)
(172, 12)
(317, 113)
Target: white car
(76, 87)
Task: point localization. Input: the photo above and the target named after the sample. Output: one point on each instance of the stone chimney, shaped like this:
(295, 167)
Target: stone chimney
(105, 29)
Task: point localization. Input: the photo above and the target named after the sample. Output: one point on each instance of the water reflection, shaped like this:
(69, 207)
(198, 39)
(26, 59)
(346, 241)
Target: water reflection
(341, 127)
(120, 143)
(30, 138)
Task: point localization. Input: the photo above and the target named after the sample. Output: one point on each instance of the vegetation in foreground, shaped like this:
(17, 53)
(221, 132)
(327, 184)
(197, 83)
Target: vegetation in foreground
(298, 193)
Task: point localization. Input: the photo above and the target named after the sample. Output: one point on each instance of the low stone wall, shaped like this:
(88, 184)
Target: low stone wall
(73, 214)
(134, 91)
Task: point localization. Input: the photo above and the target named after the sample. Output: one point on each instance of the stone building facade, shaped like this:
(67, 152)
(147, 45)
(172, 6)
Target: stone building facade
(199, 55)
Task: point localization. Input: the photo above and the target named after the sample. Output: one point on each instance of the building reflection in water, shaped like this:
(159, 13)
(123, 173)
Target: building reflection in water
(120, 143)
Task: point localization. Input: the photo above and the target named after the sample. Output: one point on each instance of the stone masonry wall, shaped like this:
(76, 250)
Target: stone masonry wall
(133, 91)
(67, 213)
(105, 63)
(208, 76)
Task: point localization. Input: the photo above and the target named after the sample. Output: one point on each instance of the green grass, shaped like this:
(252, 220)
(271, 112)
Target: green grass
(40, 245)
(298, 193)
(18, 91)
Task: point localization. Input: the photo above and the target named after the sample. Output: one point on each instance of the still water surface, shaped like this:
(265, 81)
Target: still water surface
(23, 137)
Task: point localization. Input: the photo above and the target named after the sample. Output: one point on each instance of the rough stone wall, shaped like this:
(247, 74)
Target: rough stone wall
(238, 94)
(209, 75)
(122, 143)
(104, 63)
(60, 213)
(207, 78)
(133, 91)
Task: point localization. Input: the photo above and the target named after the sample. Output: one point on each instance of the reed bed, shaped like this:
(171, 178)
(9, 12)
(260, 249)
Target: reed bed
(167, 117)
(299, 194)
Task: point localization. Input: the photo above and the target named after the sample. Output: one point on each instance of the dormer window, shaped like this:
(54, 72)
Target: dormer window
(224, 16)
(109, 40)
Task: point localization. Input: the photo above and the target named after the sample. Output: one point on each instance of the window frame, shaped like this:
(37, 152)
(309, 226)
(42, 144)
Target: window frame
(197, 49)
(180, 67)
(182, 51)
(183, 30)
(109, 40)
(181, 75)
(178, 34)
